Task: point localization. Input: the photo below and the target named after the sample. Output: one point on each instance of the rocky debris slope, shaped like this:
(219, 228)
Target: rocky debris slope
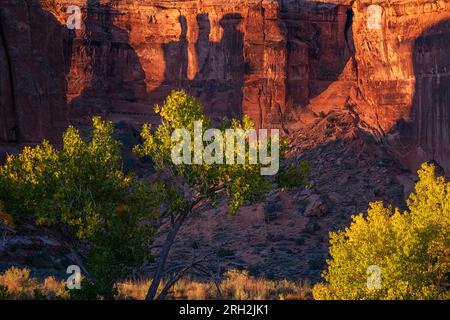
(36, 248)
(351, 99)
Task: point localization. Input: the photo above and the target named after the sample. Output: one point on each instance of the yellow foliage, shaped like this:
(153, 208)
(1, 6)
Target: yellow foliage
(411, 249)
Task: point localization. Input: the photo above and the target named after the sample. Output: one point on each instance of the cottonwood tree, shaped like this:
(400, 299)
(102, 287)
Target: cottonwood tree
(409, 249)
(190, 185)
(82, 192)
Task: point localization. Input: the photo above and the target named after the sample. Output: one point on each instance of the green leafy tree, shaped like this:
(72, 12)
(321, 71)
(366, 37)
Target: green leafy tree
(189, 185)
(294, 175)
(411, 248)
(82, 191)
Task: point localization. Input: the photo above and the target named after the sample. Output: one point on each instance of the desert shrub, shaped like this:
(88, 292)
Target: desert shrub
(272, 209)
(52, 288)
(312, 227)
(223, 252)
(411, 248)
(294, 176)
(133, 289)
(19, 282)
(83, 191)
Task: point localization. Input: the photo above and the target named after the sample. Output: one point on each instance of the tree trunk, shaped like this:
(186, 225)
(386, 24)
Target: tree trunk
(151, 294)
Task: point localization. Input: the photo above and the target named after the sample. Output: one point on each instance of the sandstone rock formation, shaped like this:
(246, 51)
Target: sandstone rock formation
(281, 61)
(403, 76)
(33, 65)
(263, 58)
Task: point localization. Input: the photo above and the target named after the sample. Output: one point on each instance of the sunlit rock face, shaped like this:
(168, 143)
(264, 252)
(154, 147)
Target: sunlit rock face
(280, 61)
(403, 69)
(263, 58)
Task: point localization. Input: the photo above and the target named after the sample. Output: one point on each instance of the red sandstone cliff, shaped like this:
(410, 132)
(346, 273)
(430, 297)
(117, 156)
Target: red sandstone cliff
(280, 61)
(403, 76)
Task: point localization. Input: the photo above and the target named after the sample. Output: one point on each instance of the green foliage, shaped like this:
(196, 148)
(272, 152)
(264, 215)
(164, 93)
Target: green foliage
(294, 176)
(4, 293)
(38, 295)
(83, 190)
(93, 290)
(239, 181)
(410, 248)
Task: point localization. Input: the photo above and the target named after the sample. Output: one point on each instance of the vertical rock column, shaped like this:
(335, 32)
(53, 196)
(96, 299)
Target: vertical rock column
(266, 64)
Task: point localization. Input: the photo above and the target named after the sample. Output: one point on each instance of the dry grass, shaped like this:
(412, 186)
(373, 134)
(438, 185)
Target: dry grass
(236, 285)
(21, 285)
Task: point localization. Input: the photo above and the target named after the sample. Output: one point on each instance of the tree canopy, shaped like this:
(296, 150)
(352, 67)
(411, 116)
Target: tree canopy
(410, 249)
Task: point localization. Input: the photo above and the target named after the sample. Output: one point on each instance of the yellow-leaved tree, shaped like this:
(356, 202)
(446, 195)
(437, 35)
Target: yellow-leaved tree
(390, 254)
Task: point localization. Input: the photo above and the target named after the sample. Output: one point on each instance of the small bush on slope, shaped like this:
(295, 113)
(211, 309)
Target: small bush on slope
(410, 248)
(294, 176)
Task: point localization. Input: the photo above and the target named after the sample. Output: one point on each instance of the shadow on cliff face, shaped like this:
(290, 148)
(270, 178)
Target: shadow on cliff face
(319, 47)
(426, 137)
(109, 80)
(35, 57)
(176, 64)
(114, 81)
(219, 67)
(224, 59)
(284, 64)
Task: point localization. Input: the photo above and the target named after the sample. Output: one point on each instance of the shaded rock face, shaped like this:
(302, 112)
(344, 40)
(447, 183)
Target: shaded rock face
(33, 65)
(280, 61)
(403, 80)
(431, 104)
